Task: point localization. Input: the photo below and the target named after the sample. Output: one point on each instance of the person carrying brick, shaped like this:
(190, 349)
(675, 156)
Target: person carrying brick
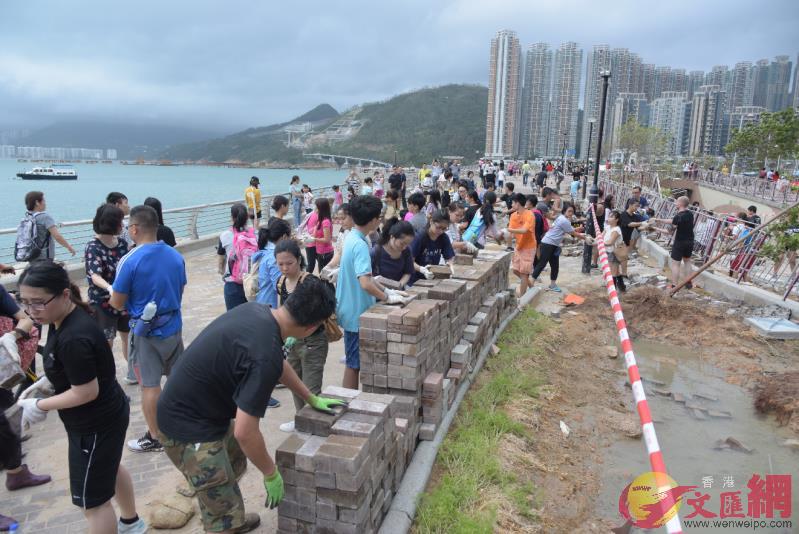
(522, 225)
(356, 290)
(210, 410)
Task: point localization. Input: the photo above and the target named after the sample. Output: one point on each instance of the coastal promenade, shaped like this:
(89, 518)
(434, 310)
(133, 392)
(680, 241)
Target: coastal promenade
(48, 509)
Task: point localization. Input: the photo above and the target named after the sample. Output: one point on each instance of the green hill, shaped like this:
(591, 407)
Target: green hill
(419, 126)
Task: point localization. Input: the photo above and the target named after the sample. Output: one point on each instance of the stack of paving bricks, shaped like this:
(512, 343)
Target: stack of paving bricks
(341, 471)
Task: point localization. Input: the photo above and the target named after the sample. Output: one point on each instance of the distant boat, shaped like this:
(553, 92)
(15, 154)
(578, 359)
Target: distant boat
(53, 172)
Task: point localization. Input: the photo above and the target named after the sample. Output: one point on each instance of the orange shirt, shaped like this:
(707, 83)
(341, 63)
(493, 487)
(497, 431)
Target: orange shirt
(524, 220)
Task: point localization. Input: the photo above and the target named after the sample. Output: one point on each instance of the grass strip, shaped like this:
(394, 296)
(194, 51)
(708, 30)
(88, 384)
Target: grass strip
(469, 480)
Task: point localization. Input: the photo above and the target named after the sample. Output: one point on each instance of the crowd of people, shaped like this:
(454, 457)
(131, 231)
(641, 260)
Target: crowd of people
(291, 285)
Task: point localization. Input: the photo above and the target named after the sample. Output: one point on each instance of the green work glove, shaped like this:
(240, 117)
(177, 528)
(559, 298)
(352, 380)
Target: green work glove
(324, 404)
(290, 341)
(274, 489)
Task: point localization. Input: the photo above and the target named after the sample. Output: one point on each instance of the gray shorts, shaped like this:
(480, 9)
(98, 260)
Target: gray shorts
(613, 259)
(153, 357)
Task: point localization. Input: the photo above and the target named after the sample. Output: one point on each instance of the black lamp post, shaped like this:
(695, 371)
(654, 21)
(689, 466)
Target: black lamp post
(593, 193)
(588, 155)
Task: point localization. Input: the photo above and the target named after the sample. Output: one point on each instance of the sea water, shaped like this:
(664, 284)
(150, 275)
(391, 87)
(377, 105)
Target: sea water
(174, 186)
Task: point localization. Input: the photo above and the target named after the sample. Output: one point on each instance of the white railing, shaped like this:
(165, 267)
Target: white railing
(188, 224)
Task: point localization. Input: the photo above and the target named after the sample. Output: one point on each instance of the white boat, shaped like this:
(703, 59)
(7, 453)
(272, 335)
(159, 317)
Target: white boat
(53, 172)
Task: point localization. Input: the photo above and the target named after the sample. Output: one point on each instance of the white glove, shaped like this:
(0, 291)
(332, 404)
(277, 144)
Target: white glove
(470, 247)
(451, 268)
(110, 291)
(31, 414)
(589, 240)
(41, 388)
(330, 274)
(394, 296)
(427, 273)
(9, 342)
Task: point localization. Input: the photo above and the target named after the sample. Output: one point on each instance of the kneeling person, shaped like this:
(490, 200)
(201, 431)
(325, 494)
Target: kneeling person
(229, 373)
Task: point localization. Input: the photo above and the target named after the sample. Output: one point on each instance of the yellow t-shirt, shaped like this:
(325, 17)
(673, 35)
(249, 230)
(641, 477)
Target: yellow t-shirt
(249, 193)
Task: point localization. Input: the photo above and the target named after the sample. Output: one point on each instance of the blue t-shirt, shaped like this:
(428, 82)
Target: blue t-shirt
(391, 268)
(425, 251)
(351, 299)
(268, 275)
(574, 188)
(153, 272)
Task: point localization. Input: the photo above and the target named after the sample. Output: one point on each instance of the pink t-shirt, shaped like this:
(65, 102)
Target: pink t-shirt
(319, 233)
(408, 216)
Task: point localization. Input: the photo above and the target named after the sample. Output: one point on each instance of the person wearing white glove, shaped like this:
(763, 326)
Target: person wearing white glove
(430, 246)
(17, 474)
(92, 406)
(454, 232)
(40, 388)
(427, 273)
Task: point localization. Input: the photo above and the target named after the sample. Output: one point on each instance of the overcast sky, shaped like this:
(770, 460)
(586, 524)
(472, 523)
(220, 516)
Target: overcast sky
(233, 64)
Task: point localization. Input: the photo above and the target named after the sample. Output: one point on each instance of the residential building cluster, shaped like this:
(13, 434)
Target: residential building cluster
(534, 100)
(56, 153)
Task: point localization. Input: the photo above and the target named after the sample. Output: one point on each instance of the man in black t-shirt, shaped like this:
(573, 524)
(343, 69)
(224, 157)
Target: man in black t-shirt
(683, 246)
(228, 373)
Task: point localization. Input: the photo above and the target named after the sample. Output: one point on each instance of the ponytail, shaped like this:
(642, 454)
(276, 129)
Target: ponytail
(487, 209)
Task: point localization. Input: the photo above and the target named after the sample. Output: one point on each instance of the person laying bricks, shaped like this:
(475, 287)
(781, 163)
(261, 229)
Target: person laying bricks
(211, 407)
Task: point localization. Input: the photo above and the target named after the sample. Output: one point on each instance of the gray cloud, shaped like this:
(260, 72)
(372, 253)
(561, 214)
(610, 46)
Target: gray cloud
(245, 63)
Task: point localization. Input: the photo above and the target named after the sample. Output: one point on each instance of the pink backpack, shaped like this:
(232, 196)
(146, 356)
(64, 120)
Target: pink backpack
(245, 245)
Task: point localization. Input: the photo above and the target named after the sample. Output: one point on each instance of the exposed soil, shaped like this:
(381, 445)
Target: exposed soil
(585, 388)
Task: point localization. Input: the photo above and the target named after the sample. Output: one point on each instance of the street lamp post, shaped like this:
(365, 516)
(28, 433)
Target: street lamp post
(591, 122)
(593, 193)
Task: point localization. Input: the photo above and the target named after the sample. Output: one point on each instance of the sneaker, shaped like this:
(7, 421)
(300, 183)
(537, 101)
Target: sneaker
(273, 403)
(280, 386)
(130, 381)
(287, 427)
(556, 289)
(139, 527)
(146, 443)
(594, 266)
(251, 522)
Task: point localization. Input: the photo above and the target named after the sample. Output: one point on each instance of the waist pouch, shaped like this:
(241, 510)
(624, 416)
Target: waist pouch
(144, 328)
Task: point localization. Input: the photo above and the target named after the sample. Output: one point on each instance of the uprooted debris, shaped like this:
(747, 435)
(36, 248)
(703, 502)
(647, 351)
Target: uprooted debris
(779, 393)
(732, 444)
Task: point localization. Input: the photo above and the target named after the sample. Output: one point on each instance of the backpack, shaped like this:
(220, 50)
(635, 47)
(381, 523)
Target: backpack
(251, 281)
(27, 246)
(244, 246)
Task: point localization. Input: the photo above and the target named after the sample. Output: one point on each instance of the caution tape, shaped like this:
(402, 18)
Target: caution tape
(645, 415)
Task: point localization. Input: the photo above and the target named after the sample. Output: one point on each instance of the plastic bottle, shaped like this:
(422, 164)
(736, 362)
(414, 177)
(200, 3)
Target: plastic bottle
(149, 311)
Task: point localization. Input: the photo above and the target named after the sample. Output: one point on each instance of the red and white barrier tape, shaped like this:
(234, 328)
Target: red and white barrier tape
(650, 438)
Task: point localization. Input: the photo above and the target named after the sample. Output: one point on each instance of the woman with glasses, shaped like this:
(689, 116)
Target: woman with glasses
(430, 245)
(90, 402)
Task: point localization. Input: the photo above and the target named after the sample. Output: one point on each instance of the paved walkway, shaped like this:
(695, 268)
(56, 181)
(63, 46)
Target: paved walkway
(48, 509)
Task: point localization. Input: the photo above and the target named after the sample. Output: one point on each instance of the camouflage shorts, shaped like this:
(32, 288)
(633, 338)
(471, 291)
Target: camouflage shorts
(212, 470)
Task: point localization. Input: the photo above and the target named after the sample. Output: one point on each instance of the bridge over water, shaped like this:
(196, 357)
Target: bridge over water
(340, 160)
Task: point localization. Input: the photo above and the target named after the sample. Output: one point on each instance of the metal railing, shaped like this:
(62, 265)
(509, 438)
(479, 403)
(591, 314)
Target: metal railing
(712, 233)
(780, 192)
(188, 224)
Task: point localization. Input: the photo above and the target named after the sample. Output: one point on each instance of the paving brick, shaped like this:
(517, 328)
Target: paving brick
(315, 422)
(341, 454)
(367, 407)
(284, 455)
(304, 458)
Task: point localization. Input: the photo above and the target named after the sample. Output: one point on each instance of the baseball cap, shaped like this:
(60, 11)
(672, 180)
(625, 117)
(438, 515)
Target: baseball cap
(254, 180)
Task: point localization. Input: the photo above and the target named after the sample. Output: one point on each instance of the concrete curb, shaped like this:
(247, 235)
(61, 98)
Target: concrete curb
(77, 270)
(399, 519)
(721, 286)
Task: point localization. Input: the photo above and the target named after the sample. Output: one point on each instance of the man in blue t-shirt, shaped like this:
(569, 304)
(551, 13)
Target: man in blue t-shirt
(356, 291)
(149, 285)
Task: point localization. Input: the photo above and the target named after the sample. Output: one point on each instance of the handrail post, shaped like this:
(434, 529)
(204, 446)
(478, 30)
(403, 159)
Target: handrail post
(193, 234)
